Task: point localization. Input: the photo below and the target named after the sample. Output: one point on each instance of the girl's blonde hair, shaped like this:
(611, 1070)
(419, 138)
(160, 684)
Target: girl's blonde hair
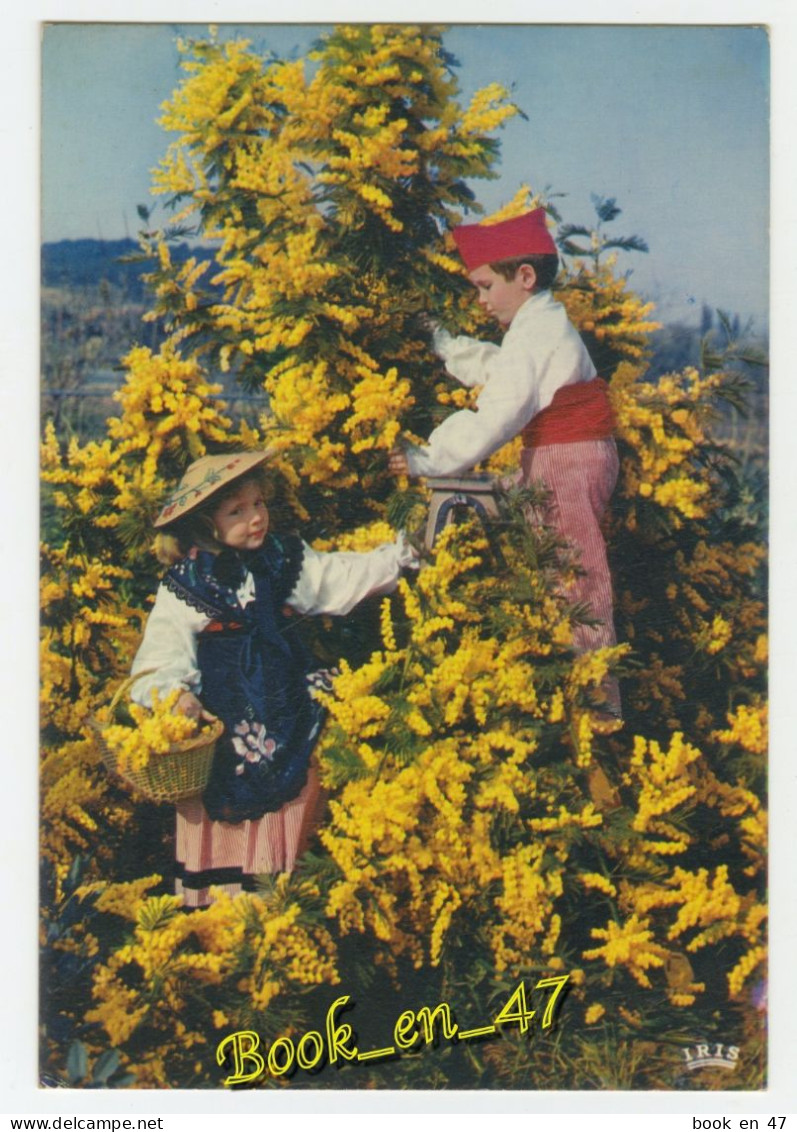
(197, 527)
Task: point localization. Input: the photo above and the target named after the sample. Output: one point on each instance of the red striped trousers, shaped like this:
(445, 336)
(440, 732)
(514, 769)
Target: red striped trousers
(581, 477)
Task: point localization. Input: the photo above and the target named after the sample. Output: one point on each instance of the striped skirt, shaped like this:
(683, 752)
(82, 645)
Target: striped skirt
(216, 853)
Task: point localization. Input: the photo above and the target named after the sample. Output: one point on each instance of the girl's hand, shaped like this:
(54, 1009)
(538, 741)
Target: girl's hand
(189, 705)
(397, 462)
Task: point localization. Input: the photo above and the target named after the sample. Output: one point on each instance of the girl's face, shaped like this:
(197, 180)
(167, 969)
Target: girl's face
(241, 520)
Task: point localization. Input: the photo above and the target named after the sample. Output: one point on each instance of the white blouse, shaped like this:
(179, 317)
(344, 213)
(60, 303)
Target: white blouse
(541, 352)
(328, 583)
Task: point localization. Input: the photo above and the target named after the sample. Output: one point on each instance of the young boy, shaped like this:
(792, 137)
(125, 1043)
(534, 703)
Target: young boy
(539, 382)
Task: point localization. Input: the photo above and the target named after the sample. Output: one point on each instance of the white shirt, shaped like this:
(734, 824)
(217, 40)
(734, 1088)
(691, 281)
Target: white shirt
(328, 583)
(541, 352)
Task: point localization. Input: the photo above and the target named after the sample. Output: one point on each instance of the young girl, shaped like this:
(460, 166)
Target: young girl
(221, 630)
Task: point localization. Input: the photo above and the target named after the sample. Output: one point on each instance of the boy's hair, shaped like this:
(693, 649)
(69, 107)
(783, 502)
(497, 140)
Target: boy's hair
(197, 527)
(545, 268)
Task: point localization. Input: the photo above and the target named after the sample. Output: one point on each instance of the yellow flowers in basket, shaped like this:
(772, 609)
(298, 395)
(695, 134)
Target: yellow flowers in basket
(161, 753)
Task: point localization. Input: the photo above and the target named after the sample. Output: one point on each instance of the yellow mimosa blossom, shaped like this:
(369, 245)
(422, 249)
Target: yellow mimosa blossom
(153, 732)
(594, 1013)
(630, 944)
(748, 728)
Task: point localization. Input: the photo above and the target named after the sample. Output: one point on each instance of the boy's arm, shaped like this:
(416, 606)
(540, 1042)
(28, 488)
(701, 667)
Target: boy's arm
(335, 582)
(465, 358)
(508, 401)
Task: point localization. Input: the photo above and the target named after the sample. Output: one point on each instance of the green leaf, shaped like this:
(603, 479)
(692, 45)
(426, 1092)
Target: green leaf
(627, 244)
(570, 248)
(567, 230)
(156, 912)
(606, 208)
(105, 1065)
(75, 873)
(77, 1062)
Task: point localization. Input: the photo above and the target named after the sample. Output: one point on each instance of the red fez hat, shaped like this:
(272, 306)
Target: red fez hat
(487, 243)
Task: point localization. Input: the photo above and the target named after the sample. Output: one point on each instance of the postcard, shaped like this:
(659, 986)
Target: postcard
(404, 600)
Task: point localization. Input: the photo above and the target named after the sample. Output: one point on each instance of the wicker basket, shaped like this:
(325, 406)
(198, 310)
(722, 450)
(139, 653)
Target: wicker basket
(181, 772)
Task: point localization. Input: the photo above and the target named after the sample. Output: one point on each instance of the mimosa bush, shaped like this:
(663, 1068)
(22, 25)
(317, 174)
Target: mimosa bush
(479, 831)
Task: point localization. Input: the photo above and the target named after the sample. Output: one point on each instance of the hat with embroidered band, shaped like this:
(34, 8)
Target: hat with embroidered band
(205, 477)
(528, 234)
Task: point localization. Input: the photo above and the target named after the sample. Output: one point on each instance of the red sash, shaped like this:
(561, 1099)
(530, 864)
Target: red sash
(578, 412)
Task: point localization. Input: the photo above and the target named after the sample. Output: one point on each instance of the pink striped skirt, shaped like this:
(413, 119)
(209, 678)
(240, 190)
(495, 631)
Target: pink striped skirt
(581, 477)
(216, 853)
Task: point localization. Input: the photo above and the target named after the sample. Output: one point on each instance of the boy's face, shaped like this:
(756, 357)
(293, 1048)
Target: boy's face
(503, 298)
(241, 520)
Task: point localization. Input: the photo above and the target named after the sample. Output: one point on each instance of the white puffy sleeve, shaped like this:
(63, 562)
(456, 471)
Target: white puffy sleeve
(465, 358)
(169, 648)
(541, 352)
(508, 401)
(335, 582)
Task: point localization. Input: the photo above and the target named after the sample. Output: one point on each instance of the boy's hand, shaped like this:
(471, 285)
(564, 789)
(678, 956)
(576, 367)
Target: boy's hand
(189, 705)
(416, 537)
(397, 462)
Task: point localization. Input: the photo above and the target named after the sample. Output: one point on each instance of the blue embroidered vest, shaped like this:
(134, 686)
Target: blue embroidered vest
(254, 674)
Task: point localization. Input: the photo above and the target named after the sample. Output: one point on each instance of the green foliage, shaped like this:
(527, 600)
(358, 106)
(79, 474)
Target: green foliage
(598, 242)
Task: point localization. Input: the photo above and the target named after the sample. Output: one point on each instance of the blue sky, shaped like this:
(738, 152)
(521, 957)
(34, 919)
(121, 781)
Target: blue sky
(672, 121)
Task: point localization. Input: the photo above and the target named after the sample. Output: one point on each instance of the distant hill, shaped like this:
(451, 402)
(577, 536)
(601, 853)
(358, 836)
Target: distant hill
(88, 263)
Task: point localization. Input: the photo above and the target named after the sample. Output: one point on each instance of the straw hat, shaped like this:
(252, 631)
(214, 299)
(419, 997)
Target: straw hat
(205, 477)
